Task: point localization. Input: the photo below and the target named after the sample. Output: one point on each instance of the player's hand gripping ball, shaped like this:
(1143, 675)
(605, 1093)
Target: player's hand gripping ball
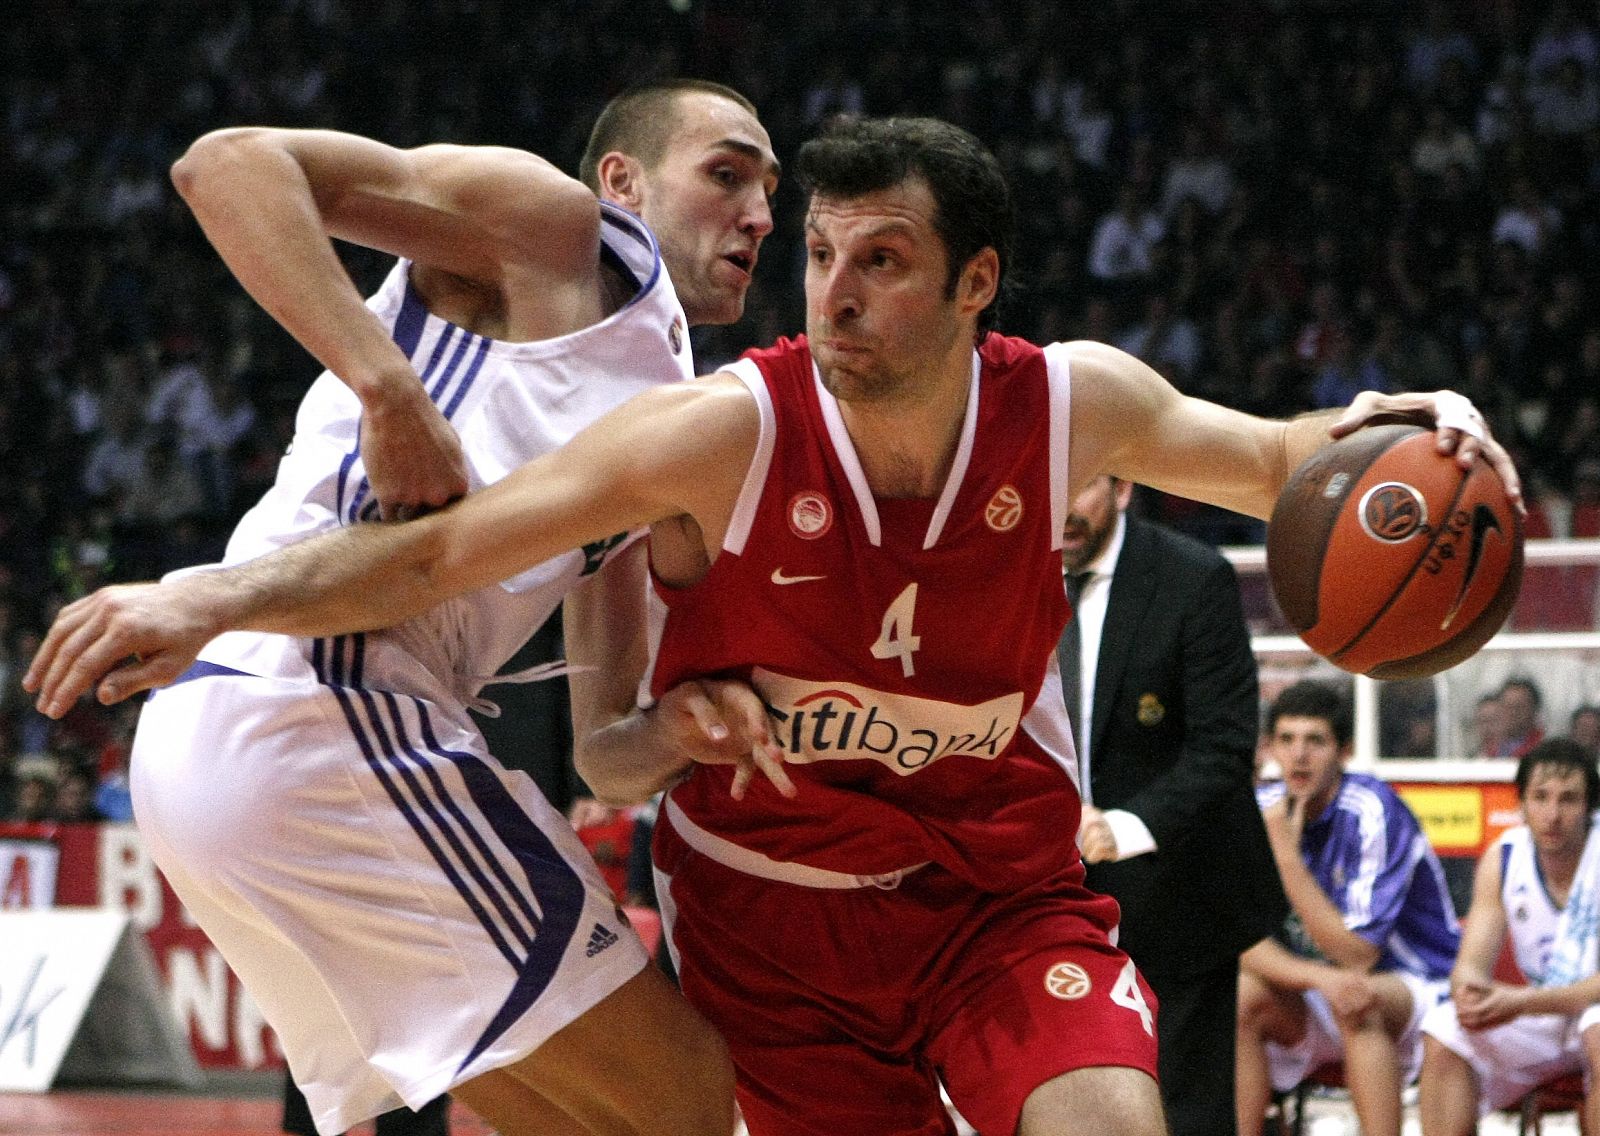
(1391, 560)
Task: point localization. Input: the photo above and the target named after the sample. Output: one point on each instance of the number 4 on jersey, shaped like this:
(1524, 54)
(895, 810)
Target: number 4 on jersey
(896, 640)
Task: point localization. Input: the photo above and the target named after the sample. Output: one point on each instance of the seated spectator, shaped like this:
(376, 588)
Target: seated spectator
(1568, 106)
(1198, 174)
(74, 801)
(1124, 240)
(117, 457)
(1527, 221)
(1562, 37)
(1584, 730)
(1371, 935)
(1166, 339)
(1489, 724)
(1493, 1041)
(162, 492)
(1444, 144)
(1520, 703)
(1342, 374)
(1434, 44)
(35, 799)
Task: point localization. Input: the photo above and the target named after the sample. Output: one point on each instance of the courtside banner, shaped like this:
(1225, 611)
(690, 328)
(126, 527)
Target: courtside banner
(28, 874)
(51, 963)
(106, 866)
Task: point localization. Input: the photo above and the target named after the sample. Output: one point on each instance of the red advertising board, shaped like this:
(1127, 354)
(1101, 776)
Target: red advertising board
(105, 865)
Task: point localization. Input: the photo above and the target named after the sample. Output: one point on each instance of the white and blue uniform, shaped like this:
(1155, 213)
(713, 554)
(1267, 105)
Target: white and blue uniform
(408, 913)
(1513, 1058)
(1372, 860)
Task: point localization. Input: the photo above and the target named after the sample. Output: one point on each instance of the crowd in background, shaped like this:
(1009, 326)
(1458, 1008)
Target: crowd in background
(1274, 204)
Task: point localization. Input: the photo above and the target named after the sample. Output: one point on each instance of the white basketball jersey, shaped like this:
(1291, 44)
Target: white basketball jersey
(1530, 913)
(510, 403)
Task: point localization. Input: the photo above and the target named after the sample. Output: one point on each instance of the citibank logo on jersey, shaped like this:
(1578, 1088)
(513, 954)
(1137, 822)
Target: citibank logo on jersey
(840, 721)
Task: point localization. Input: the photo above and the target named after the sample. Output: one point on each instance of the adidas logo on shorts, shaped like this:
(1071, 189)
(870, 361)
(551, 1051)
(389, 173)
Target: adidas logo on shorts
(599, 939)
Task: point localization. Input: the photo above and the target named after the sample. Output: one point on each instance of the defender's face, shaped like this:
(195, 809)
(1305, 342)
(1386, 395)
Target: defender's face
(877, 315)
(707, 201)
(1310, 757)
(1556, 810)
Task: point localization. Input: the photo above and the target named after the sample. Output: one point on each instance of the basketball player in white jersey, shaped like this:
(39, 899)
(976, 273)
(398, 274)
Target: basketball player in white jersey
(901, 282)
(1493, 1042)
(412, 917)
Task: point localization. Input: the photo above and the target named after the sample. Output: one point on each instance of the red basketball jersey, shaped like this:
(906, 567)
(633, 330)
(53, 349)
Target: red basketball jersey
(904, 648)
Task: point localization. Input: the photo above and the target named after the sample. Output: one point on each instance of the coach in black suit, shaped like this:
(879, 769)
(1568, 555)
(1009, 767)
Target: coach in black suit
(1171, 827)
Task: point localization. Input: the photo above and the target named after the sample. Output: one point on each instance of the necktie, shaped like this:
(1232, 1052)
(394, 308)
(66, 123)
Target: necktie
(1068, 653)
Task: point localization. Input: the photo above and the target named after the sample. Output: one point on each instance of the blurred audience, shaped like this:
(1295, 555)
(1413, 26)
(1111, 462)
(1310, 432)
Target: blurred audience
(1331, 196)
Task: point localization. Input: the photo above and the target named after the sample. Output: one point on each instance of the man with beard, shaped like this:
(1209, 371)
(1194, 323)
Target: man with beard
(1161, 683)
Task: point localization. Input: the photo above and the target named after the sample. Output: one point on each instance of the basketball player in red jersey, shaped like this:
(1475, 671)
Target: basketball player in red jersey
(866, 525)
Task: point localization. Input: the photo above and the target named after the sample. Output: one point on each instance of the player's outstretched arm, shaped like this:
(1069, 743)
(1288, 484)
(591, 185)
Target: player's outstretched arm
(673, 451)
(1128, 420)
(270, 199)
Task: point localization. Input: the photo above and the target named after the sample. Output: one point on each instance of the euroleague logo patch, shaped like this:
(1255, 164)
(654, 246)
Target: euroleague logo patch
(810, 515)
(1067, 981)
(1004, 509)
(675, 334)
(1392, 512)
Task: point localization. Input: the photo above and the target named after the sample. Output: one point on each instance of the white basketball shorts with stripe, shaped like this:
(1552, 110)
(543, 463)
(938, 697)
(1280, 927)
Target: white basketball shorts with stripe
(407, 913)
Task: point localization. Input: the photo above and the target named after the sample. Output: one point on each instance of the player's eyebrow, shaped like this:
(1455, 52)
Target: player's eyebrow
(890, 227)
(753, 152)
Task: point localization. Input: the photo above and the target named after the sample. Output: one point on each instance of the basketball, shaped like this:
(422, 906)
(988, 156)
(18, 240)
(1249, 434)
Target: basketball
(1389, 559)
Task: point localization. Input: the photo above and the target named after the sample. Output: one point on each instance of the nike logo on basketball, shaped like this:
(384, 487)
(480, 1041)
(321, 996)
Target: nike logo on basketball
(779, 578)
(1483, 523)
(599, 939)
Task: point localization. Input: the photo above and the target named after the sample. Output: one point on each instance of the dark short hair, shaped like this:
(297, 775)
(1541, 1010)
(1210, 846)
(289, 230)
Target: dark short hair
(1561, 753)
(640, 120)
(973, 206)
(1309, 699)
(1526, 684)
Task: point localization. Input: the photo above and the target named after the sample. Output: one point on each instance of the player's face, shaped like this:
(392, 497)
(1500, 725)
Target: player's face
(1310, 757)
(1089, 525)
(1556, 810)
(878, 314)
(707, 201)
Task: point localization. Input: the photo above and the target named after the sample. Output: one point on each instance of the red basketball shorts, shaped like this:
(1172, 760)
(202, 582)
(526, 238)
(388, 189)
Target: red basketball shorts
(845, 1008)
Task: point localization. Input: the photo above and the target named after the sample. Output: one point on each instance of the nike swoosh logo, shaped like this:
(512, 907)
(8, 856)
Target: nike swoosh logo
(1483, 523)
(779, 578)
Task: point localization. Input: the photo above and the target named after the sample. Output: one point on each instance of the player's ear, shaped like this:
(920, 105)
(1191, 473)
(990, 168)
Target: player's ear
(980, 280)
(621, 180)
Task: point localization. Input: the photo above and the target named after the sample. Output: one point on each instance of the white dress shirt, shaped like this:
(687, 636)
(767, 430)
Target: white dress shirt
(1131, 834)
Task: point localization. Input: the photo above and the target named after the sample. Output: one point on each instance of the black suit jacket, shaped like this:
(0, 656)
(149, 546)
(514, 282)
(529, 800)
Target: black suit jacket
(1173, 736)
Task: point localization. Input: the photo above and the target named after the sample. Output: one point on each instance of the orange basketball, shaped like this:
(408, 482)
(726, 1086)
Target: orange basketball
(1389, 559)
